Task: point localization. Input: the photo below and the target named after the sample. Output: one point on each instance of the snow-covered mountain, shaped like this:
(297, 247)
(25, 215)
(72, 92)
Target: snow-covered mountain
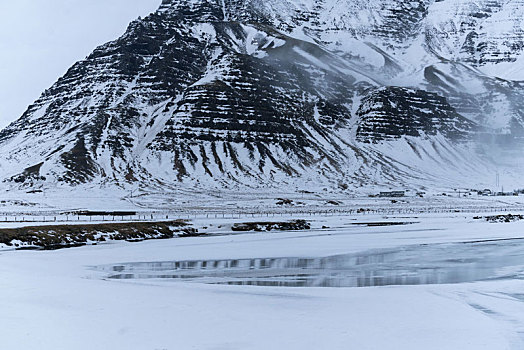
(285, 94)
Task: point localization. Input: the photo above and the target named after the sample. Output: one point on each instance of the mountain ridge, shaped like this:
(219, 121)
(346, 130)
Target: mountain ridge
(254, 94)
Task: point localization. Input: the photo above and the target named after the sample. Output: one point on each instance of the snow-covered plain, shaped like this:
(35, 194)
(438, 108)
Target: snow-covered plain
(66, 299)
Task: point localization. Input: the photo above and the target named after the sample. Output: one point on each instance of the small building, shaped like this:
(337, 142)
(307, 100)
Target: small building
(506, 194)
(391, 194)
(485, 192)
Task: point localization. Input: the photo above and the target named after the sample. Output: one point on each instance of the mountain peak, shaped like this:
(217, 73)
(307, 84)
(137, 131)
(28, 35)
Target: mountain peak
(227, 94)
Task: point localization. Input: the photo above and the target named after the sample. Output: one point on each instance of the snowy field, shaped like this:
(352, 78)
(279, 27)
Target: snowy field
(277, 290)
(207, 203)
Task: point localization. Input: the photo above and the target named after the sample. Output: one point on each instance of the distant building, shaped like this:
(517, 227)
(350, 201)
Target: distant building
(392, 194)
(485, 192)
(507, 193)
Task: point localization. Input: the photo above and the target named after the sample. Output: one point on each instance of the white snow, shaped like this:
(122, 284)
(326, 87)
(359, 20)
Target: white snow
(54, 300)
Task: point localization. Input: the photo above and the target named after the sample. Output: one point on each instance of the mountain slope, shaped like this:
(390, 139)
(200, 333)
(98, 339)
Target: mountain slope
(283, 94)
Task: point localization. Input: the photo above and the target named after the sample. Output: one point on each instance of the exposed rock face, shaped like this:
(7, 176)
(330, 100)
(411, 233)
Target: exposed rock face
(481, 32)
(394, 112)
(220, 93)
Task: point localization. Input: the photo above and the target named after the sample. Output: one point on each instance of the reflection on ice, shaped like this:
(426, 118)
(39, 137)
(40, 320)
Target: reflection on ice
(423, 264)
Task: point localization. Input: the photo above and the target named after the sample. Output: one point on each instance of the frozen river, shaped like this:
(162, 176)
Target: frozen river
(440, 282)
(409, 265)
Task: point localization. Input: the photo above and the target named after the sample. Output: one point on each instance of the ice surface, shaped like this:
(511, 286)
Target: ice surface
(70, 290)
(410, 265)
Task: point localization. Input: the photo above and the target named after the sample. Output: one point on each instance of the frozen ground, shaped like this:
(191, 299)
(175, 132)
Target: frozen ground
(54, 202)
(75, 299)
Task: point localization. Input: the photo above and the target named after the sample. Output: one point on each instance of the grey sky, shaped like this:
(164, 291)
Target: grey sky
(41, 39)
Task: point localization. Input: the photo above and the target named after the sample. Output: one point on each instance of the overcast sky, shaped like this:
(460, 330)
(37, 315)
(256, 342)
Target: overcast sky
(41, 39)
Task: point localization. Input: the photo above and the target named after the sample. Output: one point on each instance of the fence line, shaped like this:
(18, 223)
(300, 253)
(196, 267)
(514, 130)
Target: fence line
(246, 214)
